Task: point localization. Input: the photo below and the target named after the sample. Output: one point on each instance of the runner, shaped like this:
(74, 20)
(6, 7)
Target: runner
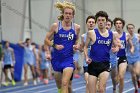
(66, 34)
(119, 24)
(133, 59)
(101, 41)
(90, 23)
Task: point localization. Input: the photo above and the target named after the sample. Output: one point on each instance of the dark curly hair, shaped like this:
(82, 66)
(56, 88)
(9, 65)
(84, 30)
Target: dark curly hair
(91, 16)
(101, 14)
(118, 19)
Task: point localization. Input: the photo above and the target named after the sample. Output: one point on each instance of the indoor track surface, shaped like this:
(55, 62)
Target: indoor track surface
(78, 86)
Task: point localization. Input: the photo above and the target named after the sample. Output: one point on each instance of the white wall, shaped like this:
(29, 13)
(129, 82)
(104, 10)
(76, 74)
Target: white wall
(132, 12)
(44, 14)
(41, 14)
(12, 19)
(127, 9)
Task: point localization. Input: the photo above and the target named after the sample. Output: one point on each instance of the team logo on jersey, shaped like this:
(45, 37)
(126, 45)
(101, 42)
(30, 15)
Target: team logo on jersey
(106, 42)
(70, 36)
(123, 44)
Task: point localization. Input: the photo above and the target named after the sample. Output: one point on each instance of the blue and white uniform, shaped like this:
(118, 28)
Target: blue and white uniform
(63, 58)
(36, 52)
(113, 59)
(7, 59)
(76, 56)
(100, 54)
(85, 36)
(100, 50)
(44, 62)
(85, 65)
(133, 58)
(28, 55)
(122, 52)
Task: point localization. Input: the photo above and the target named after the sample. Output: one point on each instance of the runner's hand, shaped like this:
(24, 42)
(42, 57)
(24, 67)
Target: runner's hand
(88, 60)
(76, 47)
(59, 47)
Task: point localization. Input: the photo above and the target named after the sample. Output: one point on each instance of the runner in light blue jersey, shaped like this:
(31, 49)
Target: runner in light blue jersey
(133, 58)
(8, 60)
(76, 63)
(90, 24)
(29, 52)
(37, 61)
(44, 64)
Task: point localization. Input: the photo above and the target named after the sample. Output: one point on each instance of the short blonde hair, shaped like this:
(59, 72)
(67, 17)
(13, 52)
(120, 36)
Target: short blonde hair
(62, 5)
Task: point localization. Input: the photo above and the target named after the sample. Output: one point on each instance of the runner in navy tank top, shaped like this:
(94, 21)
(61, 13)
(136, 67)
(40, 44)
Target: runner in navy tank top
(122, 61)
(66, 34)
(67, 39)
(113, 57)
(98, 63)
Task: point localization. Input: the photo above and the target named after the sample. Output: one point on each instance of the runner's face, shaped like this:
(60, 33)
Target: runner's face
(28, 42)
(119, 25)
(108, 25)
(101, 21)
(7, 44)
(68, 14)
(90, 24)
(130, 29)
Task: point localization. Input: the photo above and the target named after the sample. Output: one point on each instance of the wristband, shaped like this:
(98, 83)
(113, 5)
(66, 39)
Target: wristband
(53, 45)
